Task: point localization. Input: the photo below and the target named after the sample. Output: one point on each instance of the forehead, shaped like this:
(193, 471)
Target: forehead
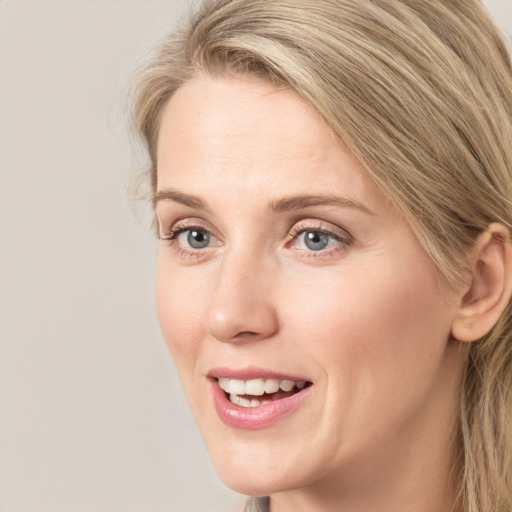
(226, 133)
(205, 112)
(217, 100)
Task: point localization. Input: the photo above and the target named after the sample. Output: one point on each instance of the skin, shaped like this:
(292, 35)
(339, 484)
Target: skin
(367, 320)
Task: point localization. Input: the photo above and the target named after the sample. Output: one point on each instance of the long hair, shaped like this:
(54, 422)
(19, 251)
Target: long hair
(420, 91)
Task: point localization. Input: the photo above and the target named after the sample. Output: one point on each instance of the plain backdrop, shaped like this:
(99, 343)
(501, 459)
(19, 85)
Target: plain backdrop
(92, 414)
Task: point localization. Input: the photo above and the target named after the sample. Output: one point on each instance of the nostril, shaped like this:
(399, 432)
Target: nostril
(246, 334)
(249, 336)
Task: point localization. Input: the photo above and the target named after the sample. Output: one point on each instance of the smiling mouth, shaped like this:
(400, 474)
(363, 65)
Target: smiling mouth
(258, 392)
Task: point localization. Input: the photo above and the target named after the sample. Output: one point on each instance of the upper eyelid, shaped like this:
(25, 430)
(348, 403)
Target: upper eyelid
(323, 226)
(186, 223)
(298, 226)
(174, 233)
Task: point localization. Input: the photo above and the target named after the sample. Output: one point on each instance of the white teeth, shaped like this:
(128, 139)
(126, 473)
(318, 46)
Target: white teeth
(235, 399)
(237, 389)
(255, 387)
(271, 385)
(224, 384)
(287, 385)
(244, 402)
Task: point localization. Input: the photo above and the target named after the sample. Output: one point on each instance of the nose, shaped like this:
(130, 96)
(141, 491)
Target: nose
(241, 308)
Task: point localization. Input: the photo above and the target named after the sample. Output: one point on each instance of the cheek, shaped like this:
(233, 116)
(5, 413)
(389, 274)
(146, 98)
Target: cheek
(391, 305)
(379, 335)
(179, 310)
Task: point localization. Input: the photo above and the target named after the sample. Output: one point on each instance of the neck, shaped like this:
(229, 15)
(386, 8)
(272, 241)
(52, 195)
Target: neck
(395, 488)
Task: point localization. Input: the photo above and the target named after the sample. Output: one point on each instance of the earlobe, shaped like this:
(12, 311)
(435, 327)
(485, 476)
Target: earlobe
(490, 288)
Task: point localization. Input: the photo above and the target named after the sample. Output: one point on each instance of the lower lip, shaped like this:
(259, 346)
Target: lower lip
(255, 418)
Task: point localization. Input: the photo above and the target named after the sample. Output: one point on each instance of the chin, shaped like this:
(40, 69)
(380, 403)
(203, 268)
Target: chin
(251, 482)
(259, 474)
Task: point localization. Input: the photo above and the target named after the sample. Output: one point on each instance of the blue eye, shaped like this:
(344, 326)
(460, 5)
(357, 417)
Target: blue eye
(320, 241)
(194, 238)
(315, 240)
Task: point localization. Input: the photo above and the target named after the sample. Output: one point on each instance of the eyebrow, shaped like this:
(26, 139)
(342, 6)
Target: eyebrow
(286, 204)
(301, 202)
(168, 194)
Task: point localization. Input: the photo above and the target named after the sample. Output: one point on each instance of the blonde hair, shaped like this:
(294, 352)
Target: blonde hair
(421, 92)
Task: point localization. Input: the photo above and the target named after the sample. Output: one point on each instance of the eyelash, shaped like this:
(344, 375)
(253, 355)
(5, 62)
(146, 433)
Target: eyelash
(171, 236)
(345, 240)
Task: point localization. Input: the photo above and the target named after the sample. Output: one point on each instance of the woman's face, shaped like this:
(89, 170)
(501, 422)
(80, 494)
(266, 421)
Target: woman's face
(285, 263)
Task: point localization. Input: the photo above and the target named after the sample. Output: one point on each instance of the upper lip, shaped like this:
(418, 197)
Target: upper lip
(252, 372)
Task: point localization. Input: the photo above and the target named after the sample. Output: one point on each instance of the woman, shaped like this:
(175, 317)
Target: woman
(332, 186)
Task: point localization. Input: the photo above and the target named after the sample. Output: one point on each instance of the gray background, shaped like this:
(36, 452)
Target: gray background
(92, 416)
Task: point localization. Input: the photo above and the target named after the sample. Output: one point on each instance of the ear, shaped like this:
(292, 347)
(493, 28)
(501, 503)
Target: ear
(490, 285)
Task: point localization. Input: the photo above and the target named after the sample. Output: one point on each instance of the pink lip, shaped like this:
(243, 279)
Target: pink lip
(251, 373)
(253, 418)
